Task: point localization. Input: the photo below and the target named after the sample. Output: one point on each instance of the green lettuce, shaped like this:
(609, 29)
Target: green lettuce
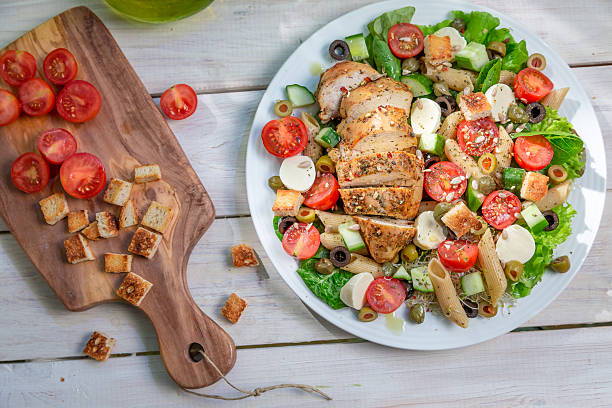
(478, 25)
(516, 56)
(275, 222)
(325, 287)
(575, 166)
(501, 35)
(379, 27)
(430, 29)
(489, 75)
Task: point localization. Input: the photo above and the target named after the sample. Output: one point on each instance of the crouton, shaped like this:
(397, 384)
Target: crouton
(438, 49)
(134, 289)
(145, 243)
(243, 255)
(78, 250)
(91, 232)
(128, 216)
(461, 220)
(117, 263)
(157, 217)
(233, 308)
(474, 106)
(534, 187)
(54, 208)
(107, 224)
(287, 203)
(77, 220)
(147, 173)
(118, 192)
(99, 346)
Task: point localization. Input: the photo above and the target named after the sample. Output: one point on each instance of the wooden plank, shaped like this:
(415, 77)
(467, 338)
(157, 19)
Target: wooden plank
(208, 52)
(536, 368)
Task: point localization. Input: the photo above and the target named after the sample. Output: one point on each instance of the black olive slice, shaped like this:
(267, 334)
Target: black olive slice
(285, 223)
(553, 220)
(339, 50)
(536, 112)
(340, 256)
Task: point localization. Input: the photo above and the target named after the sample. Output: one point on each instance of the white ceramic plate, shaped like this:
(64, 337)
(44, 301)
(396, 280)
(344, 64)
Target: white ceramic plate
(436, 332)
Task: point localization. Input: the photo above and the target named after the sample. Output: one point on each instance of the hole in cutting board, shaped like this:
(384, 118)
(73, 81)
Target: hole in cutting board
(194, 352)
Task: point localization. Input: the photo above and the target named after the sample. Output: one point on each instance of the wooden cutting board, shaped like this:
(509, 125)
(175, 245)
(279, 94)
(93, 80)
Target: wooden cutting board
(128, 131)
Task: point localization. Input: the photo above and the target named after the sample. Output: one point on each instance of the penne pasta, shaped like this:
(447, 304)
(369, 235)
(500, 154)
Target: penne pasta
(449, 126)
(456, 79)
(312, 149)
(362, 264)
(457, 156)
(331, 220)
(503, 154)
(330, 240)
(491, 267)
(555, 98)
(507, 77)
(446, 293)
(555, 196)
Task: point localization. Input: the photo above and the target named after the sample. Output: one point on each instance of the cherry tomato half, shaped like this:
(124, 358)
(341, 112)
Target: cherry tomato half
(82, 175)
(533, 152)
(323, 194)
(405, 40)
(179, 102)
(385, 295)
(56, 145)
(501, 208)
(30, 172)
(36, 97)
(301, 240)
(284, 137)
(531, 85)
(458, 256)
(60, 66)
(445, 181)
(9, 108)
(78, 102)
(477, 137)
(17, 66)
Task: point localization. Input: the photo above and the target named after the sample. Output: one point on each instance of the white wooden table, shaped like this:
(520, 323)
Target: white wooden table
(229, 53)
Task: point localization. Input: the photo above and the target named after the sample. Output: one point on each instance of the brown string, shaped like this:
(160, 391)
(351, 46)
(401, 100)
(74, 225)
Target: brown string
(256, 392)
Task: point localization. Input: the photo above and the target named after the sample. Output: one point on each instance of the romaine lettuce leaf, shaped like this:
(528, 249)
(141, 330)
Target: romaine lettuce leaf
(379, 27)
(478, 24)
(489, 75)
(325, 287)
(501, 35)
(430, 29)
(516, 56)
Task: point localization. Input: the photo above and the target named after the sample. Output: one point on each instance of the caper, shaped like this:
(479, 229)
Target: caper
(440, 88)
(517, 114)
(536, 61)
(275, 183)
(458, 24)
(417, 313)
(483, 226)
(388, 269)
(325, 165)
(487, 163)
(306, 215)
(366, 314)
(561, 264)
(557, 173)
(440, 209)
(410, 254)
(514, 270)
(283, 108)
(486, 184)
(324, 266)
(487, 310)
(497, 47)
(410, 65)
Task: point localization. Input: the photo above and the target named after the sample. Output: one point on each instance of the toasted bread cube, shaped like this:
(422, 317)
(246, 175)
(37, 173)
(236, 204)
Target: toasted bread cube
(78, 250)
(107, 224)
(99, 346)
(134, 289)
(287, 203)
(534, 187)
(474, 106)
(145, 243)
(438, 49)
(91, 232)
(77, 220)
(118, 192)
(461, 220)
(127, 216)
(54, 208)
(147, 173)
(233, 308)
(243, 255)
(117, 263)
(157, 217)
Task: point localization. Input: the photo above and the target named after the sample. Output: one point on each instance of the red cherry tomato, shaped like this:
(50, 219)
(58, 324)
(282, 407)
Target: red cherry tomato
(533, 152)
(36, 97)
(9, 108)
(301, 240)
(17, 66)
(30, 172)
(501, 208)
(56, 145)
(82, 175)
(385, 295)
(60, 66)
(477, 137)
(405, 40)
(285, 137)
(179, 102)
(458, 256)
(531, 85)
(78, 102)
(323, 194)
(445, 181)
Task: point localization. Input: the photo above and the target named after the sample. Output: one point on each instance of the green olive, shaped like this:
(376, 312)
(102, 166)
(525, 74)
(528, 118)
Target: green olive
(324, 266)
(487, 163)
(517, 114)
(458, 24)
(557, 173)
(410, 65)
(440, 88)
(458, 97)
(486, 184)
(275, 183)
(483, 226)
(410, 254)
(388, 269)
(325, 165)
(440, 209)
(417, 313)
(497, 47)
(514, 270)
(487, 310)
(367, 315)
(561, 264)
(536, 61)
(306, 215)
(283, 108)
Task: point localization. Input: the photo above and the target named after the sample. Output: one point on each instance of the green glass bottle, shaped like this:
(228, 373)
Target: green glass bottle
(158, 11)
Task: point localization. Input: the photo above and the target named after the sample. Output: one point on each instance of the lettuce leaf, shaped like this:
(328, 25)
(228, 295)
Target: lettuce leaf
(501, 35)
(430, 29)
(275, 222)
(575, 166)
(516, 56)
(478, 25)
(379, 27)
(489, 75)
(325, 287)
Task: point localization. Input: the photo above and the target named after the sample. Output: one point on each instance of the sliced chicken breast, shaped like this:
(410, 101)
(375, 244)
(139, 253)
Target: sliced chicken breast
(379, 143)
(382, 119)
(385, 237)
(381, 169)
(397, 202)
(382, 92)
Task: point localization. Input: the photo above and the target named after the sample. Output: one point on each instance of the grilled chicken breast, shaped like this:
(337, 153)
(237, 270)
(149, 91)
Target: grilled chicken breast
(382, 119)
(385, 237)
(379, 143)
(381, 169)
(397, 202)
(382, 92)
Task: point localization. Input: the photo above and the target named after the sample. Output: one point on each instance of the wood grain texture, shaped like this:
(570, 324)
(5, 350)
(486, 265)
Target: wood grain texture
(128, 131)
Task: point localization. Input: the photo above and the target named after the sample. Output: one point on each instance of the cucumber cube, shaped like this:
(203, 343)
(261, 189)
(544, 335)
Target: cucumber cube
(432, 143)
(472, 283)
(534, 218)
(327, 137)
(420, 280)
